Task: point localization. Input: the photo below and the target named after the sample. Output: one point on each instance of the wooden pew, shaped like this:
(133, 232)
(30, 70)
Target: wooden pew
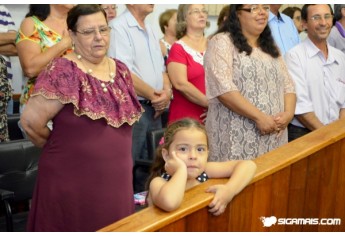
(302, 179)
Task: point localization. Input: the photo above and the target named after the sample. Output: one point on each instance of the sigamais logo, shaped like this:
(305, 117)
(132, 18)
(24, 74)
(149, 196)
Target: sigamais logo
(272, 220)
(268, 221)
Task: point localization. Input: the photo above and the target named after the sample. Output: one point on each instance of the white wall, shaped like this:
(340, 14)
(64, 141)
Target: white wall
(18, 11)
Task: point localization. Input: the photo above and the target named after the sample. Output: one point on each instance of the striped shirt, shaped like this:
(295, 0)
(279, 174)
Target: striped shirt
(6, 25)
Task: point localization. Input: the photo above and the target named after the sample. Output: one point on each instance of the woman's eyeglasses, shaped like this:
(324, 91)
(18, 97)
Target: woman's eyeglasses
(255, 9)
(104, 31)
(114, 7)
(198, 12)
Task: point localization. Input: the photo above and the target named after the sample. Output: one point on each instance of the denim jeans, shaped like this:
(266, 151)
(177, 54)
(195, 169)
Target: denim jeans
(139, 145)
(140, 129)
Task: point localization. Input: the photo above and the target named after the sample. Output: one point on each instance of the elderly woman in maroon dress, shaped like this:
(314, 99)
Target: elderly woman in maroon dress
(85, 171)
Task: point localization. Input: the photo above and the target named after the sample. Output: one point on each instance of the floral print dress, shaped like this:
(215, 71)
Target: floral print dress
(46, 38)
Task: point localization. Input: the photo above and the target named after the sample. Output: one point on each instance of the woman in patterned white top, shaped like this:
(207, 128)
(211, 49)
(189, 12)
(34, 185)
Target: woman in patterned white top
(167, 23)
(251, 94)
(185, 64)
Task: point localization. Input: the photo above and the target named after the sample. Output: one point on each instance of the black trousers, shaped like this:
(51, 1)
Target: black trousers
(295, 132)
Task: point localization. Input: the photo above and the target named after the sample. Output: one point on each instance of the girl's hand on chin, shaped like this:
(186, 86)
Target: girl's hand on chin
(173, 163)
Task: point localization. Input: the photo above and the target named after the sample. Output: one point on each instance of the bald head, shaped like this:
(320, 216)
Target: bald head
(275, 8)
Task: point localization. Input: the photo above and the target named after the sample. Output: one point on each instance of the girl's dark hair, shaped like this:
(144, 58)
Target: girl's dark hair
(233, 27)
(157, 168)
(41, 11)
(82, 10)
(290, 11)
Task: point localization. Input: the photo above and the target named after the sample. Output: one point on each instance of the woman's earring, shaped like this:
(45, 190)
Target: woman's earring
(73, 46)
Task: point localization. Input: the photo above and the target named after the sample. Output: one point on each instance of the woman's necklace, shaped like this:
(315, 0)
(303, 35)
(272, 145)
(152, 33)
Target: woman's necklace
(104, 85)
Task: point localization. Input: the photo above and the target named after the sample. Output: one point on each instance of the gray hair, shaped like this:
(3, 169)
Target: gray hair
(337, 11)
(181, 26)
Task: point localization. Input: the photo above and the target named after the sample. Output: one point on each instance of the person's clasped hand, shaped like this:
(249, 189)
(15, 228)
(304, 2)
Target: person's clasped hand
(160, 102)
(282, 120)
(266, 124)
(203, 116)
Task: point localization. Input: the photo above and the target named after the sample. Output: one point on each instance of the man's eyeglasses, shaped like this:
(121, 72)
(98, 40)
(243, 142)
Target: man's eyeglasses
(318, 18)
(104, 31)
(255, 9)
(198, 12)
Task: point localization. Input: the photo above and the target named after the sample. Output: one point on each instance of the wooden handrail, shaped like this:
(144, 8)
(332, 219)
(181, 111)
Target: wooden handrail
(302, 179)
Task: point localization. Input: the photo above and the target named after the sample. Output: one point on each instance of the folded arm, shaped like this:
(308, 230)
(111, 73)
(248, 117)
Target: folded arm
(38, 111)
(7, 43)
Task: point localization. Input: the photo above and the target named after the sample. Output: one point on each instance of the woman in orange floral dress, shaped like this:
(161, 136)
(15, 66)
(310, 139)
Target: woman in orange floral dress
(42, 37)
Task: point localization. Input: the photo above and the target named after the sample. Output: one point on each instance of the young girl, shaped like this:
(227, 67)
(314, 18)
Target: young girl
(181, 163)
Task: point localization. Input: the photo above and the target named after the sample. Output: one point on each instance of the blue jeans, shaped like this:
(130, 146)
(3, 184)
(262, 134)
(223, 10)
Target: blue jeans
(139, 145)
(140, 129)
(10, 107)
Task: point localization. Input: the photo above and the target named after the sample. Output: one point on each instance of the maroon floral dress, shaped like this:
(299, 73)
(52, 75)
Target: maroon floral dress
(85, 170)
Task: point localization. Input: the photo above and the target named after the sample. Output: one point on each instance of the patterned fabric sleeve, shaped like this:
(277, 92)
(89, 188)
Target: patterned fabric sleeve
(57, 81)
(289, 86)
(64, 81)
(218, 66)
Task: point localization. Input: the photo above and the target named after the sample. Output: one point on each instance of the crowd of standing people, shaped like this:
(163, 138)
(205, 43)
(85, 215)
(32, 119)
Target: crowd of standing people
(98, 82)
